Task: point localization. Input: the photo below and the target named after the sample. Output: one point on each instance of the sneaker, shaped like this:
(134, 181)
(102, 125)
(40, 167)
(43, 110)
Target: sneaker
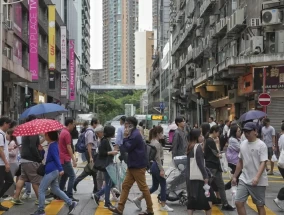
(8, 198)
(166, 208)
(137, 202)
(45, 202)
(116, 191)
(26, 196)
(279, 203)
(217, 201)
(49, 197)
(96, 199)
(17, 202)
(74, 200)
(106, 206)
(39, 212)
(3, 208)
(227, 207)
(72, 207)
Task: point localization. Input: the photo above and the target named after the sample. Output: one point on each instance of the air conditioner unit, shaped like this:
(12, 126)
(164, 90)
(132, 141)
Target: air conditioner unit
(271, 17)
(199, 22)
(7, 52)
(212, 20)
(239, 17)
(256, 44)
(275, 42)
(9, 24)
(198, 33)
(255, 22)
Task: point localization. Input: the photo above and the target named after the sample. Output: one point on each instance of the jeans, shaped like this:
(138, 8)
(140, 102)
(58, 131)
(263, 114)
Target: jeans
(51, 180)
(83, 157)
(94, 173)
(138, 176)
(158, 180)
(28, 187)
(6, 180)
(106, 189)
(68, 173)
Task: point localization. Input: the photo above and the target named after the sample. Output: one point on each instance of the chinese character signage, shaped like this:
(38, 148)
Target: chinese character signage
(72, 84)
(33, 38)
(63, 48)
(274, 78)
(51, 37)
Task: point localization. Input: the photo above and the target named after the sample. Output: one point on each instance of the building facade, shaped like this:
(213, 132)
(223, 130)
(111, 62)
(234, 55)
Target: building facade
(98, 77)
(221, 51)
(120, 21)
(144, 50)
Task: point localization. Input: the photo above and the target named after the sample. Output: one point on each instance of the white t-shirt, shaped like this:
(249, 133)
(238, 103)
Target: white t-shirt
(281, 142)
(4, 143)
(267, 134)
(212, 124)
(226, 130)
(252, 154)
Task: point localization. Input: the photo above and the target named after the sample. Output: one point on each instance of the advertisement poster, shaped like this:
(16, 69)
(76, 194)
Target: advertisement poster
(17, 51)
(51, 37)
(72, 77)
(33, 38)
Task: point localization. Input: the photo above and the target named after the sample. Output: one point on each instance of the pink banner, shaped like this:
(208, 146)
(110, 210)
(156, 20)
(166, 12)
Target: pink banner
(33, 38)
(72, 75)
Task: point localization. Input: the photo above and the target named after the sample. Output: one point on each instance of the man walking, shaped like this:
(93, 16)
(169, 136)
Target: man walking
(66, 155)
(253, 180)
(133, 144)
(120, 132)
(268, 137)
(179, 143)
(92, 145)
(6, 179)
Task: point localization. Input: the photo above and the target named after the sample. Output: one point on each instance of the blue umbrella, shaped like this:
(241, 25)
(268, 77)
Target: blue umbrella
(251, 115)
(44, 110)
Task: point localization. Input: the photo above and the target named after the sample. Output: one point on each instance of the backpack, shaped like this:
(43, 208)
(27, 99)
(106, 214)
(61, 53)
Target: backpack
(81, 142)
(151, 152)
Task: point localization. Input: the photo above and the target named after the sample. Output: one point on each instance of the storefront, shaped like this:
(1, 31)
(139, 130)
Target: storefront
(245, 91)
(39, 97)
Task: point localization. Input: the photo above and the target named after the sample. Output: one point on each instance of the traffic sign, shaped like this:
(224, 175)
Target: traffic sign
(162, 105)
(264, 99)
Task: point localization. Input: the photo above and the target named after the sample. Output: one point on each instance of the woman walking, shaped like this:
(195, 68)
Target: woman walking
(198, 176)
(157, 170)
(233, 150)
(53, 169)
(107, 153)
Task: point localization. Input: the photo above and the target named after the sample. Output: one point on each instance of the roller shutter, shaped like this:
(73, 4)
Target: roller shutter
(275, 112)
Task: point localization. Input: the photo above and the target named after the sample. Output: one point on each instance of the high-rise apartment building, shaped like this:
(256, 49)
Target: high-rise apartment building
(97, 77)
(120, 21)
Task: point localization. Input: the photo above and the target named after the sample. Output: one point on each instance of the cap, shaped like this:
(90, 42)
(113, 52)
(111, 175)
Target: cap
(99, 128)
(249, 126)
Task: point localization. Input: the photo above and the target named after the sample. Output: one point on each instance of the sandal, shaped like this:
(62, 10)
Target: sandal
(146, 213)
(114, 210)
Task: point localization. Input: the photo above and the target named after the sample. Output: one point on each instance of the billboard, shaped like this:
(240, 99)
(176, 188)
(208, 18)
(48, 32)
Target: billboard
(33, 38)
(17, 51)
(274, 78)
(72, 77)
(51, 37)
(63, 44)
(17, 26)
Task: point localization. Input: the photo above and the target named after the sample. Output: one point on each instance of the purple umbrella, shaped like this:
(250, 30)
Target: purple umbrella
(251, 115)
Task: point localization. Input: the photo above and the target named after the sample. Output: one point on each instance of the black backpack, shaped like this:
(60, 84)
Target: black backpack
(151, 152)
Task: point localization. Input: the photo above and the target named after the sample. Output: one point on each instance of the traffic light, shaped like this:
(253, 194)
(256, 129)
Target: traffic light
(27, 100)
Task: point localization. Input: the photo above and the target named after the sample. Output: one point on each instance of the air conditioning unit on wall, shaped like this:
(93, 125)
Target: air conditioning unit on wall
(275, 42)
(271, 17)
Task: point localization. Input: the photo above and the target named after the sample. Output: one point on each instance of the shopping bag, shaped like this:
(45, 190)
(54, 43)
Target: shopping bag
(281, 159)
(224, 163)
(274, 158)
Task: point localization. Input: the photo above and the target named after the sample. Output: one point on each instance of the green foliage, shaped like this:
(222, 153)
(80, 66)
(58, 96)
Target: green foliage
(111, 103)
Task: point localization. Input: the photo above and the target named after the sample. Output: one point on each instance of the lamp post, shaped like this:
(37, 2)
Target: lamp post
(1, 48)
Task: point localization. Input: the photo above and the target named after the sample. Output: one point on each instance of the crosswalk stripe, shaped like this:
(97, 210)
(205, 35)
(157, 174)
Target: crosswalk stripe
(7, 204)
(54, 207)
(253, 206)
(100, 210)
(156, 206)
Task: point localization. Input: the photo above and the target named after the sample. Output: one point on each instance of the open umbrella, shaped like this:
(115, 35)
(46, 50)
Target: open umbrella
(44, 110)
(251, 115)
(37, 126)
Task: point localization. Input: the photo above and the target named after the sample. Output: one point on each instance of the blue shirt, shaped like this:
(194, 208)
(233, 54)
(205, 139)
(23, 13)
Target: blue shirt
(52, 159)
(134, 145)
(119, 136)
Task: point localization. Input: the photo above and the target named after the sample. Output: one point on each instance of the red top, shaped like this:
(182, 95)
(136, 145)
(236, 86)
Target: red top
(64, 140)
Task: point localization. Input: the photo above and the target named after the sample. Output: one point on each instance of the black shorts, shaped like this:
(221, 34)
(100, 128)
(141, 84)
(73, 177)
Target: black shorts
(18, 173)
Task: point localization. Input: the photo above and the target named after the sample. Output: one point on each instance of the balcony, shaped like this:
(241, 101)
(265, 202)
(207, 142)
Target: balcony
(236, 23)
(207, 7)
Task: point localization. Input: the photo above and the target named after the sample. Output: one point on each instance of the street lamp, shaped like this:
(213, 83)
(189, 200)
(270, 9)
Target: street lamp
(1, 47)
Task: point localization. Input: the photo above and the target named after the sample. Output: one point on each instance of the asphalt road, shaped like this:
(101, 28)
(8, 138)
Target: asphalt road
(87, 206)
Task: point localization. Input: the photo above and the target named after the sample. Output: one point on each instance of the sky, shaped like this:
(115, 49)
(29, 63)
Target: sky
(145, 23)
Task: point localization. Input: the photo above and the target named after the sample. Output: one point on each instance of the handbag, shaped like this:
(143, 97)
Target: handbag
(41, 170)
(102, 162)
(281, 159)
(195, 173)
